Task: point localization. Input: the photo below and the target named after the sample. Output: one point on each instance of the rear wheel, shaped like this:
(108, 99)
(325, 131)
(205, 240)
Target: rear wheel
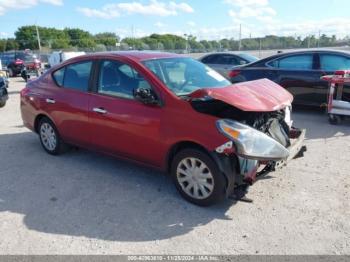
(197, 177)
(2, 103)
(11, 73)
(50, 138)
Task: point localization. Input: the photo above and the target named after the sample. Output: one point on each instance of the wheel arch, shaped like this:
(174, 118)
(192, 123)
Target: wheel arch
(38, 119)
(181, 146)
(228, 165)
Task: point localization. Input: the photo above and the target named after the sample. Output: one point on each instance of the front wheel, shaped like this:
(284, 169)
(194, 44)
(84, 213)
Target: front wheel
(50, 138)
(198, 178)
(2, 103)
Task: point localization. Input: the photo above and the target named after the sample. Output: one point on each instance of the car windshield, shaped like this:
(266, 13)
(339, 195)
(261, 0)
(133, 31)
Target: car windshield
(184, 75)
(249, 58)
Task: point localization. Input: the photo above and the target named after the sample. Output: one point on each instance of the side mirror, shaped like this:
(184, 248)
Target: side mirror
(146, 96)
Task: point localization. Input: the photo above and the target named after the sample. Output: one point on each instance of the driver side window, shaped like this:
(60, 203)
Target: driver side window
(119, 79)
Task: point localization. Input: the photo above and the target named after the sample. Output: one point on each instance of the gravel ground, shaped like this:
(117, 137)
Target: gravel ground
(87, 203)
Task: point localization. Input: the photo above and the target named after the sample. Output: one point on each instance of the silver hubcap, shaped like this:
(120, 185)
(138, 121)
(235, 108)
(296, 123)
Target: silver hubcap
(48, 136)
(195, 178)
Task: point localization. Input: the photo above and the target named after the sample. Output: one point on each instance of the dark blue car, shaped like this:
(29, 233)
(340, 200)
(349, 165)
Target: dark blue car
(299, 72)
(3, 91)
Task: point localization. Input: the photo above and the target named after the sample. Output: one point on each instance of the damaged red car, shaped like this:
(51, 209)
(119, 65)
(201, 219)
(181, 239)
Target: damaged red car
(166, 111)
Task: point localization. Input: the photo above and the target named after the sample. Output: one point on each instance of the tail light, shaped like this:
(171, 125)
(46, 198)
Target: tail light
(234, 73)
(19, 62)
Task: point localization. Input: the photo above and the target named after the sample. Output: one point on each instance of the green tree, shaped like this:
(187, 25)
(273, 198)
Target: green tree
(207, 45)
(26, 37)
(80, 38)
(11, 44)
(2, 45)
(133, 43)
(60, 44)
(180, 45)
(151, 42)
(215, 44)
(107, 38)
(225, 43)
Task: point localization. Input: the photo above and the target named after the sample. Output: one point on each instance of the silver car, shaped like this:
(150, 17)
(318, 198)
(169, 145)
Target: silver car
(224, 62)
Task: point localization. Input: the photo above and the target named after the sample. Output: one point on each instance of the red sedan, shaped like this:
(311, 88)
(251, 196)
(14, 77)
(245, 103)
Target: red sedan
(166, 111)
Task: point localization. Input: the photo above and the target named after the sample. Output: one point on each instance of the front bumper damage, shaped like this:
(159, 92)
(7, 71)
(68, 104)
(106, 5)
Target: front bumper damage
(251, 170)
(242, 172)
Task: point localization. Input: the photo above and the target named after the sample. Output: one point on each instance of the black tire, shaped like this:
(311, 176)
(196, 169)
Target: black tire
(11, 73)
(59, 147)
(2, 103)
(218, 193)
(334, 119)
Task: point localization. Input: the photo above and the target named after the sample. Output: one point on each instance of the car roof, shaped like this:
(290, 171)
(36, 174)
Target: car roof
(299, 51)
(224, 53)
(134, 55)
(312, 50)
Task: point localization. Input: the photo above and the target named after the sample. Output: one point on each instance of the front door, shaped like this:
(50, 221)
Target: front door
(118, 123)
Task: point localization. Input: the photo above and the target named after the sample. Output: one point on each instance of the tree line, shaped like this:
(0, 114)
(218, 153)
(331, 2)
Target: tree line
(26, 37)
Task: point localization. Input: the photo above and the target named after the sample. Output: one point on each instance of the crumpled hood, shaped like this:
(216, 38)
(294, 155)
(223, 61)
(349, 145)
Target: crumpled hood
(254, 96)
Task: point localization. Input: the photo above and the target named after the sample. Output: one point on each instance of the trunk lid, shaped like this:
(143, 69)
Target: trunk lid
(254, 96)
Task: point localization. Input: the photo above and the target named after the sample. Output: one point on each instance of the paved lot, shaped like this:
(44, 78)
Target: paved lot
(86, 203)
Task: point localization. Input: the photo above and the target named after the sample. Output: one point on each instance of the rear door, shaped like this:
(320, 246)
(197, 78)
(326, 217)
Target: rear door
(67, 102)
(119, 124)
(297, 73)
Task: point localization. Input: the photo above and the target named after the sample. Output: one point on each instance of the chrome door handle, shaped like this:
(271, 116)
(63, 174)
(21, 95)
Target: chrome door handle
(99, 110)
(50, 101)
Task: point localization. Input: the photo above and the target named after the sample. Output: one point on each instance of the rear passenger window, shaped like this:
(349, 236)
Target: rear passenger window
(297, 62)
(77, 76)
(208, 59)
(58, 76)
(334, 62)
(214, 59)
(219, 60)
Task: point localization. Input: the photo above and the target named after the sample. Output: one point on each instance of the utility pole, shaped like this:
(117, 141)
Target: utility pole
(319, 38)
(186, 38)
(240, 37)
(132, 37)
(38, 37)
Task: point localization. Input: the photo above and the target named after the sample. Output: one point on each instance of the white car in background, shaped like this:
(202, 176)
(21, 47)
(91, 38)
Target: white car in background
(58, 57)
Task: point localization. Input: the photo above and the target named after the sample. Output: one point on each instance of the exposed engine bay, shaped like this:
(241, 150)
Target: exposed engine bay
(270, 123)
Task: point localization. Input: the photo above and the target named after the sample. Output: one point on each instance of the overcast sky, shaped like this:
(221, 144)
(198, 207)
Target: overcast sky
(210, 19)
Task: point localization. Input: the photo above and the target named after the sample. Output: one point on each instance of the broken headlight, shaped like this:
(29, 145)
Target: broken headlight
(251, 143)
